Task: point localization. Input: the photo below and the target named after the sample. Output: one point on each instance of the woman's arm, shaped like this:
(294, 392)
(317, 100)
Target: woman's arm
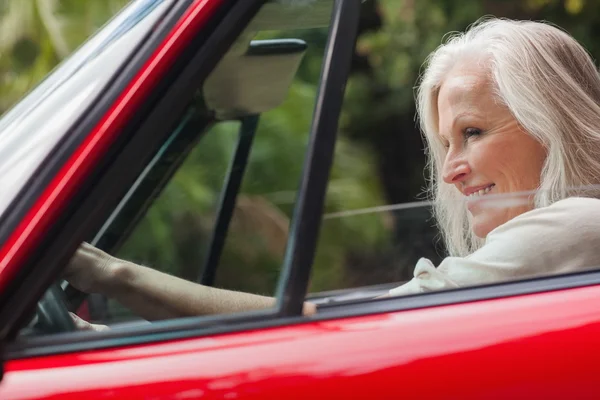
(154, 295)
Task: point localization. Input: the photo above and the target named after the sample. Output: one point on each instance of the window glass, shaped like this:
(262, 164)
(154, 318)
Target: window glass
(379, 221)
(262, 94)
(174, 234)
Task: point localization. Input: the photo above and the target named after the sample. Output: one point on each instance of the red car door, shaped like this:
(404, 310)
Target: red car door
(536, 338)
(526, 346)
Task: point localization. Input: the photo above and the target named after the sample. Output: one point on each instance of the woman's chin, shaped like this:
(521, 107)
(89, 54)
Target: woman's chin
(482, 225)
(485, 221)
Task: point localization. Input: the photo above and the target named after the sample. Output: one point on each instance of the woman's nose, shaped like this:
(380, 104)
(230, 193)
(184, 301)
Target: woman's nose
(455, 169)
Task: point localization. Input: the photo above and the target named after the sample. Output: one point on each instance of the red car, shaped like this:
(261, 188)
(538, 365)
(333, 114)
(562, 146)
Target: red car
(84, 156)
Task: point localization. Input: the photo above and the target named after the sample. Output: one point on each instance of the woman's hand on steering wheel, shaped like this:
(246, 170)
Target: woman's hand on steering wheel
(84, 325)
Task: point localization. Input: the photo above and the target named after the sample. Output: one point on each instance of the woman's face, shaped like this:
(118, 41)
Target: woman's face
(488, 152)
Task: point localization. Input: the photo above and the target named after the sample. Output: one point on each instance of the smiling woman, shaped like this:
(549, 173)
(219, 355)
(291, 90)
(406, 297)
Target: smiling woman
(510, 112)
(533, 93)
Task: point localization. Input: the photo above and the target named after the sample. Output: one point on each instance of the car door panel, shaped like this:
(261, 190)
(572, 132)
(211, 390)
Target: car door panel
(542, 344)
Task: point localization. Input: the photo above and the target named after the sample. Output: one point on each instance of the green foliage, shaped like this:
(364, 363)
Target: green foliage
(35, 35)
(255, 244)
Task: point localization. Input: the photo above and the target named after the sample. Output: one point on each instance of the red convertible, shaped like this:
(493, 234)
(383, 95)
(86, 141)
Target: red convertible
(86, 154)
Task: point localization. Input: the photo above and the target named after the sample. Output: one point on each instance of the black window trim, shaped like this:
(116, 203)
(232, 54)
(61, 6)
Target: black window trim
(308, 210)
(200, 327)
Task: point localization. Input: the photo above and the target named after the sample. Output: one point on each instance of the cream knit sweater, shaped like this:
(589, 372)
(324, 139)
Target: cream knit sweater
(561, 238)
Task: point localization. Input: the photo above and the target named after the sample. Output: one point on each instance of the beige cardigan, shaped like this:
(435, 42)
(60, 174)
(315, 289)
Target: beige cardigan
(561, 238)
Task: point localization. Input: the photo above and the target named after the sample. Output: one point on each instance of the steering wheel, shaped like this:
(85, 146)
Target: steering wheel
(52, 314)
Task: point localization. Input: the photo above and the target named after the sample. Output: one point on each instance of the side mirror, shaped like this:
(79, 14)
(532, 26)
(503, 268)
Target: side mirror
(254, 81)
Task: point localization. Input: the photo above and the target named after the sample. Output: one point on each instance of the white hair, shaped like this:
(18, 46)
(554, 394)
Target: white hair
(550, 85)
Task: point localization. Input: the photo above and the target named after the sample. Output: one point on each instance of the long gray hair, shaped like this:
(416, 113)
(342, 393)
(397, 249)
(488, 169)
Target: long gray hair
(550, 85)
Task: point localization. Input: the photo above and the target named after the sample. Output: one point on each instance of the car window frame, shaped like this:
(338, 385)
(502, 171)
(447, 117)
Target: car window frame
(334, 89)
(248, 125)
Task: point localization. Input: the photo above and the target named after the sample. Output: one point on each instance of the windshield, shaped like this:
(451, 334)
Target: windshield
(30, 130)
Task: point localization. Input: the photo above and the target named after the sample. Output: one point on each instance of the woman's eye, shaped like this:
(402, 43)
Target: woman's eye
(472, 132)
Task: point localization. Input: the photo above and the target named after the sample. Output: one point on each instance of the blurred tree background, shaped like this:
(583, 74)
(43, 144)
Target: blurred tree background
(379, 156)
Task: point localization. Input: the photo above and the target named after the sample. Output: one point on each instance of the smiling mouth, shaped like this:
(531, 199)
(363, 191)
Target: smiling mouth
(481, 192)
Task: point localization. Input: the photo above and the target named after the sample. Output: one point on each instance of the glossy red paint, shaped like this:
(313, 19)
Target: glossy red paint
(74, 172)
(534, 346)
